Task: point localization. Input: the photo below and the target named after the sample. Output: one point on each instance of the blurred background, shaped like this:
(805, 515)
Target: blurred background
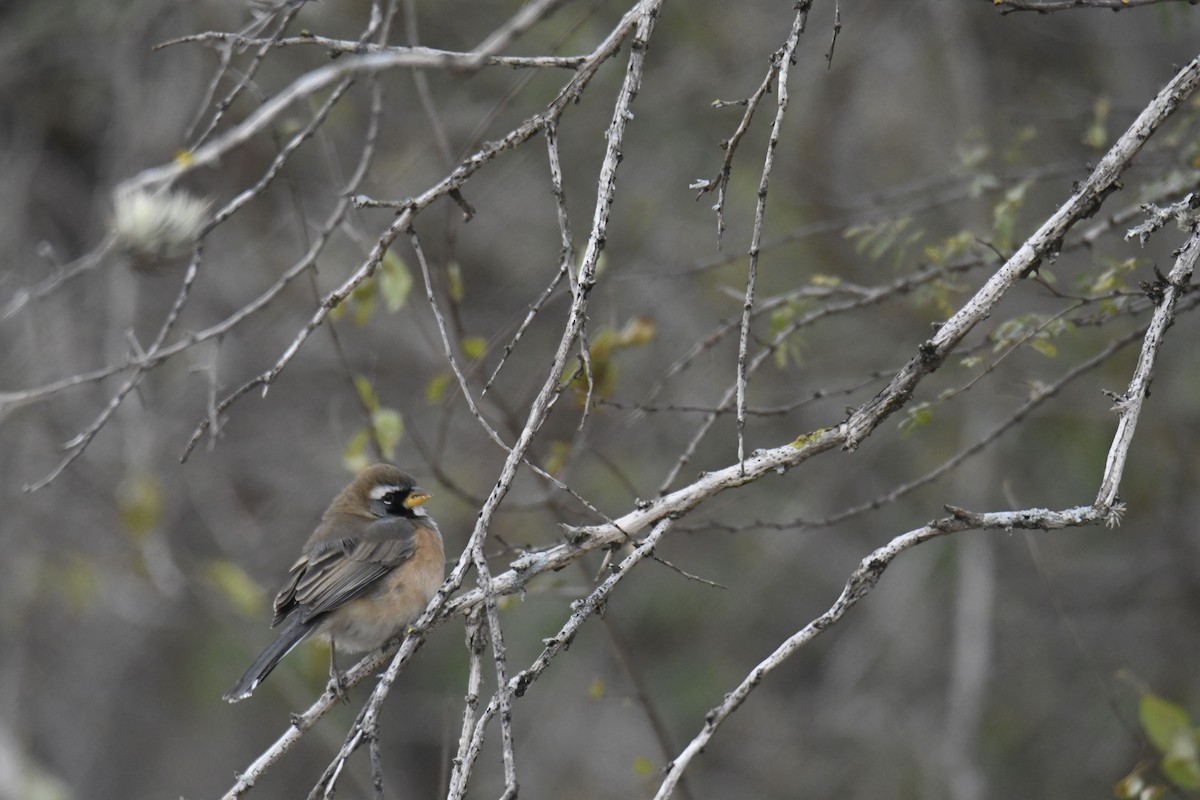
(135, 588)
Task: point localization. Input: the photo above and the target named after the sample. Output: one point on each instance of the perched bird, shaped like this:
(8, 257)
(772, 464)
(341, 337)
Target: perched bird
(367, 572)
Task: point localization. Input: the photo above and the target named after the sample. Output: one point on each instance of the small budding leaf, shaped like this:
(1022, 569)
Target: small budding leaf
(1045, 347)
(643, 767)
(1164, 722)
(389, 427)
(355, 457)
(1171, 732)
(366, 393)
(918, 416)
(140, 505)
(435, 390)
(77, 583)
(474, 347)
(970, 362)
(1096, 135)
(560, 451)
(395, 281)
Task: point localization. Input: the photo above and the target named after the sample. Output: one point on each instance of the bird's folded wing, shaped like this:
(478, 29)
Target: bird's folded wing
(340, 570)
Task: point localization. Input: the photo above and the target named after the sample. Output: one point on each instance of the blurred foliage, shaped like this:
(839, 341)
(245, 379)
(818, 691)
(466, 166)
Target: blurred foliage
(886, 237)
(392, 280)
(598, 378)
(140, 505)
(378, 439)
(1177, 741)
(937, 139)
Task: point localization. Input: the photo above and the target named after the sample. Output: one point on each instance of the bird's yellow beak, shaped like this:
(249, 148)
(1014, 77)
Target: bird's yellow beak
(416, 497)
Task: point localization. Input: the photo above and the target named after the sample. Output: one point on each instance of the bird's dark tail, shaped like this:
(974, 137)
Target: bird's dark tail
(294, 633)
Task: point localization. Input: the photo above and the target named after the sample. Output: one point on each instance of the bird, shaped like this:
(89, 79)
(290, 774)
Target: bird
(368, 571)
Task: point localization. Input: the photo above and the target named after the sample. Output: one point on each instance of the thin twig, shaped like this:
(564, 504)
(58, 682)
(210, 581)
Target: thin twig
(426, 57)
(79, 443)
(475, 647)
(1129, 405)
(1048, 6)
(784, 56)
(639, 21)
(567, 256)
(85, 263)
(860, 583)
(837, 28)
(287, 12)
(306, 262)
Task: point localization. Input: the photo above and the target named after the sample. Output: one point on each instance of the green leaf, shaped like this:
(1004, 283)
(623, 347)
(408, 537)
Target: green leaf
(596, 690)
(1183, 770)
(980, 183)
(950, 247)
(366, 393)
(395, 281)
(140, 505)
(474, 347)
(918, 416)
(973, 154)
(643, 767)
(389, 427)
(1113, 278)
(1005, 215)
(76, 581)
(875, 239)
(1165, 723)
(355, 455)
(970, 362)
(363, 311)
(435, 390)
(1017, 142)
(560, 452)
(637, 332)
(1096, 135)
(361, 301)
(1171, 732)
(1044, 346)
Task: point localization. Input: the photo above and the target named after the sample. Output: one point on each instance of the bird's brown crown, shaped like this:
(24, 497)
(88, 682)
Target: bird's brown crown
(375, 484)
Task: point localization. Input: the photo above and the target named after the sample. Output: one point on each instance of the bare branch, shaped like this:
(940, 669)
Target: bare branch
(1129, 405)
(1047, 6)
(1044, 244)
(860, 583)
(785, 57)
(421, 57)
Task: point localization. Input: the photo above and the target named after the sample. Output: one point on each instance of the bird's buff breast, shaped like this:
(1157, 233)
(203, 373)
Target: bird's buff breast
(385, 611)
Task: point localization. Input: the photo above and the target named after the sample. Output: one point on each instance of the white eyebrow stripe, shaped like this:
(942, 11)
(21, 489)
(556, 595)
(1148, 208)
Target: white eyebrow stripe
(379, 492)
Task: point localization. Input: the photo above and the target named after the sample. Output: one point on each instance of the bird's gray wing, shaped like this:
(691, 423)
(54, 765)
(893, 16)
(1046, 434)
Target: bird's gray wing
(335, 571)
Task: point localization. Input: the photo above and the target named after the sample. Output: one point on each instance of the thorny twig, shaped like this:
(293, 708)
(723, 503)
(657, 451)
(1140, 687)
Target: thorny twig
(785, 56)
(1047, 6)
(432, 57)
(639, 21)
